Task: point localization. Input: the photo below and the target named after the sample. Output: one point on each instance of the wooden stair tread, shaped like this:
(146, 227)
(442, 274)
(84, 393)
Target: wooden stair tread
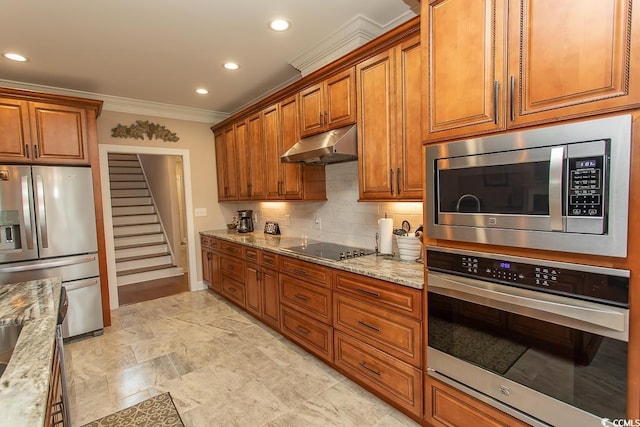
(137, 223)
(140, 257)
(149, 233)
(140, 245)
(144, 269)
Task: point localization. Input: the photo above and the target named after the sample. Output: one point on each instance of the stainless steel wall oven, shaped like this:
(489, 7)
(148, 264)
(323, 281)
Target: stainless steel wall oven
(563, 188)
(544, 341)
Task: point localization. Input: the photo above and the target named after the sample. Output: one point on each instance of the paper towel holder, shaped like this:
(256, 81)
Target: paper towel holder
(377, 248)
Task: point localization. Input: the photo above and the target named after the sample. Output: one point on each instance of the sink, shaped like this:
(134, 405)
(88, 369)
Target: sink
(8, 337)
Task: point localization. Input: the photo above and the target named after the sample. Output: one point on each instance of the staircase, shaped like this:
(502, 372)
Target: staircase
(141, 249)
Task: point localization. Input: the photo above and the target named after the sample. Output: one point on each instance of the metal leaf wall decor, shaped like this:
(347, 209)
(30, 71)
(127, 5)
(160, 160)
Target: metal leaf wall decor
(141, 128)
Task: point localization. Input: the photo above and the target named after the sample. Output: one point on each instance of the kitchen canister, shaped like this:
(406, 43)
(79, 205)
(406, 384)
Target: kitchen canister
(409, 247)
(385, 234)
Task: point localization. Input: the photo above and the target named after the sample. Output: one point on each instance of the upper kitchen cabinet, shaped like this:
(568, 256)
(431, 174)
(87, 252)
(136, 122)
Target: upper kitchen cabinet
(389, 124)
(288, 181)
(226, 164)
(257, 154)
(329, 104)
(518, 63)
(34, 130)
(242, 147)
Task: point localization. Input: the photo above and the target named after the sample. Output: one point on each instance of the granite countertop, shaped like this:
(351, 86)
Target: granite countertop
(24, 386)
(406, 273)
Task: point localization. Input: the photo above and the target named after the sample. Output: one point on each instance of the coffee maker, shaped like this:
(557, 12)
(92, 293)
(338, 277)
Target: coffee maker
(245, 221)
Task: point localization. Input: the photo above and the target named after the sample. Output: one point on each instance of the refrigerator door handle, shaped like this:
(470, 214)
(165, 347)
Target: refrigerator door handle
(44, 265)
(78, 284)
(26, 211)
(42, 212)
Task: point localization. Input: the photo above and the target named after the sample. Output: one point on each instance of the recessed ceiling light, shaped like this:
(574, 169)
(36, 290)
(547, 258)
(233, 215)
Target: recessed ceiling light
(231, 66)
(202, 91)
(14, 56)
(279, 25)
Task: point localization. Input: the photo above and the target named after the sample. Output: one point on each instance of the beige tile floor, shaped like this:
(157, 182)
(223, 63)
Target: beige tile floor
(221, 366)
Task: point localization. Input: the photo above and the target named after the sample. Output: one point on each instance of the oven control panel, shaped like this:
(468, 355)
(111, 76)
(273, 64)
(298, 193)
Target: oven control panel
(537, 275)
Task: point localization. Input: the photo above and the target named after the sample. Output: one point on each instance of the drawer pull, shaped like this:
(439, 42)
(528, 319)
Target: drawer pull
(370, 293)
(302, 330)
(301, 297)
(302, 272)
(232, 290)
(373, 371)
(369, 326)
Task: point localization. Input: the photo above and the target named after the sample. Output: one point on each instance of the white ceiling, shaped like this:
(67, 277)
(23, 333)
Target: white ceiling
(162, 50)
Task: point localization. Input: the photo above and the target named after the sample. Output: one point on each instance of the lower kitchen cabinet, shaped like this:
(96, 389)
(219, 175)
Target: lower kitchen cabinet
(270, 298)
(262, 295)
(398, 382)
(57, 410)
(447, 406)
(234, 291)
(315, 336)
(210, 263)
(310, 299)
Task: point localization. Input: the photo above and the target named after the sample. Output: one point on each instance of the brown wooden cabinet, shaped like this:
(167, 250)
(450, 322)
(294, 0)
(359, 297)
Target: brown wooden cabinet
(447, 406)
(226, 164)
(56, 412)
(42, 132)
(243, 162)
(261, 283)
(257, 155)
(315, 336)
(328, 104)
(389, 124)
(519, 63)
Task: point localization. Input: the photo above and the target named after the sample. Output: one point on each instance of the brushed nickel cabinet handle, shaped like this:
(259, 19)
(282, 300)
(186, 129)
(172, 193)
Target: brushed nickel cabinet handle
(299, 271)
(302, 330)
(496, 91)
(326, 120)
(373, 371)
(35, 151)
(398, 182)
(367, 292)
(512, 98)
(26, 150)
(320, 120)
(301, 297)
(391, 180)
(365, 324)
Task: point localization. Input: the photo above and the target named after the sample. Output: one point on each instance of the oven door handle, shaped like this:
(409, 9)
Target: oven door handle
(574, 313)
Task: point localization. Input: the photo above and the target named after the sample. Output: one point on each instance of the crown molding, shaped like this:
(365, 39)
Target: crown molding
(355, 33)
(129, 105)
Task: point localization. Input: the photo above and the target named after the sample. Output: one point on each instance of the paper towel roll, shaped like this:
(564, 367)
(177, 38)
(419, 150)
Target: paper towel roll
(385, 231)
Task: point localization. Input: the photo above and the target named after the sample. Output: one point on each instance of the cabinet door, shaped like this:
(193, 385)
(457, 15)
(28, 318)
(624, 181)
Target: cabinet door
(252, 289)
(206, 267)
(291, 172)
(214, 267)
(231, 164)
(312, 110)
(568, 59)
(409, 165)
(59, 133)
(465, 67)
(340, 102)
(15, 139)
(375, 127)
(242, 152)
(258, 157)
(271, 298)
(271, 134)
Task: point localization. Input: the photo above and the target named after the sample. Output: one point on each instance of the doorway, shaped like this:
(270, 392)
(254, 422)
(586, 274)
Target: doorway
(185, 232)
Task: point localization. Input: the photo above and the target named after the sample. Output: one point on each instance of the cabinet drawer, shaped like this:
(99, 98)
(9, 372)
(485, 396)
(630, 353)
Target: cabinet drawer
(269, 259)
(204, 241)
(309, 333)
(233, 290)
(252, 254)
(305, 297)
(232, 268)
(402, 299)
(230, 248)
(397, 335)
(447, 406)
(387, 376)
(306, 271)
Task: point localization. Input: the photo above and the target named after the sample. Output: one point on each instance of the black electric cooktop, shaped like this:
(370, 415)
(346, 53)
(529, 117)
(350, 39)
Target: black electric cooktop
(331, 251)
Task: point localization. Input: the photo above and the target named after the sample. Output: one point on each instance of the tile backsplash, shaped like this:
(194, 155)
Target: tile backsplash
(341, 219)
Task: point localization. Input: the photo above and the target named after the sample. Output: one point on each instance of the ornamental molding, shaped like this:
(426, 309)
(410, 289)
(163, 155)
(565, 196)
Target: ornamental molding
(141, 128)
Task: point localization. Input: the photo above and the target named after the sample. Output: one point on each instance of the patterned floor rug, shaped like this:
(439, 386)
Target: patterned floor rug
(158, 411)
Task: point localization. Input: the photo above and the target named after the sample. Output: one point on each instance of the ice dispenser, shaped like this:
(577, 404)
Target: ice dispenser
(9, 230)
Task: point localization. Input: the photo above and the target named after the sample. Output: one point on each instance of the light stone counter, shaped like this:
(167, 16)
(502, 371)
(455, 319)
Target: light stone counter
(407, 273)
(24, 386)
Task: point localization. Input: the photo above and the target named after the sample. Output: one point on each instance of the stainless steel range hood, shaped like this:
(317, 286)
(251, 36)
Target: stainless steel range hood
(334, 146)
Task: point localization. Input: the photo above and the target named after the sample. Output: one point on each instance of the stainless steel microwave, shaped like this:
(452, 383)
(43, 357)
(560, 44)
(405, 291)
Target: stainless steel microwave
(562, 188)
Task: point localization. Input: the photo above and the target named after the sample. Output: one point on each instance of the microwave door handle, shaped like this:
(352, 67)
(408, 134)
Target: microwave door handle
(556, 169)
(520, 301)
(26, 211)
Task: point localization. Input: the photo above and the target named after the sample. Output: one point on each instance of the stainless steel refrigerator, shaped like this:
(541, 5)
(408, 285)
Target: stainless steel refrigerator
(47, 229)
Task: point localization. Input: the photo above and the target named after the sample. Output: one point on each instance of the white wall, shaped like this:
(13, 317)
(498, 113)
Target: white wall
(342, 218)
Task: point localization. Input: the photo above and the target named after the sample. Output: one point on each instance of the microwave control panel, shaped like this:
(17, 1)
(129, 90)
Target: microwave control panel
(537, 276)
(586, 193)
